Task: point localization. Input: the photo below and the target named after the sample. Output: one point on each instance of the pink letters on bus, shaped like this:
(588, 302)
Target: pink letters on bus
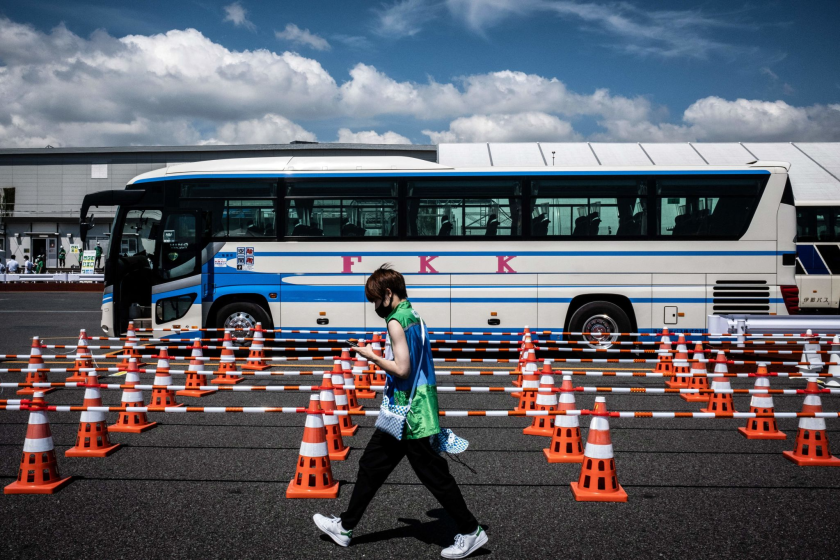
(504, 267)
(348, 263)
(426, 266)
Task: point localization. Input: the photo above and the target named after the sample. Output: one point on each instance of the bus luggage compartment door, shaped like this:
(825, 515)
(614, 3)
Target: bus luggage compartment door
(494, 301)
(322, 302)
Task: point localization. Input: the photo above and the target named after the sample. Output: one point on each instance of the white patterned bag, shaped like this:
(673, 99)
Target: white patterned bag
(392, 417)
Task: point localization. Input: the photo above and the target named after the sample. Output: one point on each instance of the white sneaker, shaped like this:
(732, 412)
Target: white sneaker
(331, 526)
(466, 544)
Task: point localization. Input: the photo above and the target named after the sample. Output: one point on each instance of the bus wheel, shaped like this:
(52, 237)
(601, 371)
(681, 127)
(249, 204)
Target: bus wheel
(601, 318)
(243, 317)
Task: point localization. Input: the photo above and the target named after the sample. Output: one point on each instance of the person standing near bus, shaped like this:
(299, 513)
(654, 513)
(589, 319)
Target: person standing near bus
(98, 253)
(62, 254)
(412, 364)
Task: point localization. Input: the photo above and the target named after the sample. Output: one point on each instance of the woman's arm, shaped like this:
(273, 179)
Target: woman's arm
(400, 366)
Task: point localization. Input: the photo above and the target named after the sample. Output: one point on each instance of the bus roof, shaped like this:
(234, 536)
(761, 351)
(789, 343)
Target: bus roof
(365, 166)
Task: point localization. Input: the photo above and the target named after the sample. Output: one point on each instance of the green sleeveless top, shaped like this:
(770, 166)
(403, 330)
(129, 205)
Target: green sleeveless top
(422, 420)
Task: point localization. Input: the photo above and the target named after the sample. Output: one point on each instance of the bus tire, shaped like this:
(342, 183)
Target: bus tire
(599, 316)
(242, 314)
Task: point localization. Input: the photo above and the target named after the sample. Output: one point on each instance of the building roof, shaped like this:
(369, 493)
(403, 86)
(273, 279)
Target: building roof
(217, 148)
(814, 166)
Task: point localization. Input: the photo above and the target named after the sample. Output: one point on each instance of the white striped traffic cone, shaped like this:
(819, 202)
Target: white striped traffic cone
(92, 439)
(598, 480)
(132, 422)
(313, 475)
(546, 401)
(38, 472)
(161, 396)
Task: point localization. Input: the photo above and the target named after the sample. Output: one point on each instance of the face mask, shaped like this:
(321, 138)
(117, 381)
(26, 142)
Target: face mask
(383, 310)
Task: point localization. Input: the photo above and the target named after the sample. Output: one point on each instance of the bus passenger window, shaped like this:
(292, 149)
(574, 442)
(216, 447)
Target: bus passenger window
(720, 207)
(589, 207)
(464, 208)
(341, 209)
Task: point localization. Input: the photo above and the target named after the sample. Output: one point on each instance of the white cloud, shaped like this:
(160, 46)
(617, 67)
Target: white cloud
(520, 127)
(238, 15)
(345, 135)
(298, 36)
(662, 33)
(180, 87)
(404, 18)
(353, 41)
(270, 129)
(713, 118)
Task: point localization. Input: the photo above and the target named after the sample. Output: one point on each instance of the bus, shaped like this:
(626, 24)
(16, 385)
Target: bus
(289, 242)
(818, 257)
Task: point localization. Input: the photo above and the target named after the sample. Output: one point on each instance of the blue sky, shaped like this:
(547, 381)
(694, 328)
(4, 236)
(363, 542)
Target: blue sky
(156, 72)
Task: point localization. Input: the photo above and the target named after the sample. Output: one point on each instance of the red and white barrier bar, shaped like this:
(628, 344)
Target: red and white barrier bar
(23, 406)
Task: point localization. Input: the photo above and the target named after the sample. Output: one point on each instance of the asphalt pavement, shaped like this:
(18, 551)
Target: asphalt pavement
(213, 485)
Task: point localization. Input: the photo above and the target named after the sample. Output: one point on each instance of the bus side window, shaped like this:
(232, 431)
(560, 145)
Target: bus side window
(469, 207)
(704, 206)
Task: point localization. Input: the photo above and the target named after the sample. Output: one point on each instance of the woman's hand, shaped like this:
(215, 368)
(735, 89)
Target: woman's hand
(365, 352)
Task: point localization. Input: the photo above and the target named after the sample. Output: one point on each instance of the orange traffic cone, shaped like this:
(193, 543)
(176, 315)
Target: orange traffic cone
(132, 422)
(525, 347)
(698, 379)
(92, 439)
(721, 400)
(83, 360)
(665, 364)
(762, 403)
(566, 445)
(36, 362)
(811, 447)
(256, 355)
(530, 380)
(313, 476)
(227, 373)
(361, 377)
(161, 396)
(345, 423)
(598, 481)
(195, 380)
(680, 366)
(335, 444)
(377, 379)
(130, 348)
(546, 401)
(38, 472)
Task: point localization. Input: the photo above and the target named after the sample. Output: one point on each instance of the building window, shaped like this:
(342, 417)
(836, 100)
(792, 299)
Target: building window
(99, 171)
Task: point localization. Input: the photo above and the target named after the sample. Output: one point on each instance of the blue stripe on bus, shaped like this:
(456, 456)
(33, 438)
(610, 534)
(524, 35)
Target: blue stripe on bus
(431, 174)
(433, 252)
(811, 260)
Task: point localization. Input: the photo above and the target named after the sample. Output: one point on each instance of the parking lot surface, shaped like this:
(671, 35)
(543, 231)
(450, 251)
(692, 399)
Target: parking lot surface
(213, 485)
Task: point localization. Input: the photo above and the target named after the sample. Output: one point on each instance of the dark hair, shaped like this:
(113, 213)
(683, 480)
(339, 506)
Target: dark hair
(385, 278)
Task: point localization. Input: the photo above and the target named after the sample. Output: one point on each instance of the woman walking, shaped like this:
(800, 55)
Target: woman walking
(411, 381)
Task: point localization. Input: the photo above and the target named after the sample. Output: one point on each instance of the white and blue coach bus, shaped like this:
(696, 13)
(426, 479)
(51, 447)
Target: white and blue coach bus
(289, 242)
(818, 256)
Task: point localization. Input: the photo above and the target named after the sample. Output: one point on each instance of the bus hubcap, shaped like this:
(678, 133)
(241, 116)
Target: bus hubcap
(242, 324)
(602, 329)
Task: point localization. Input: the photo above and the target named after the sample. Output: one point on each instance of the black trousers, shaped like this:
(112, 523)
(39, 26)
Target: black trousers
(382, 454)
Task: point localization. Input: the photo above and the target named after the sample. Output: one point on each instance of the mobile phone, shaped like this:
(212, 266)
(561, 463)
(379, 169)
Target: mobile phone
(351, 343)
